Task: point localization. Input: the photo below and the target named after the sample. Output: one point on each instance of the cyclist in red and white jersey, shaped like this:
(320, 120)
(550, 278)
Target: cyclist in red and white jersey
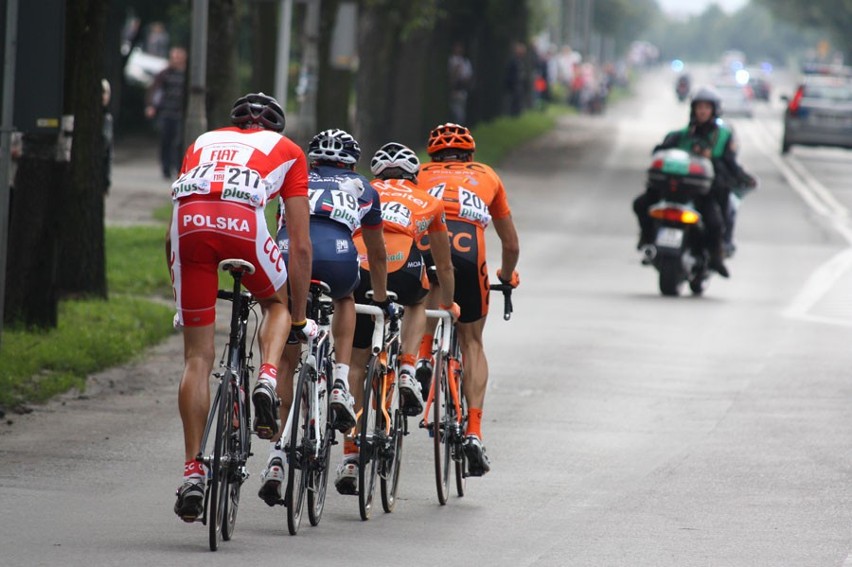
(228, 176)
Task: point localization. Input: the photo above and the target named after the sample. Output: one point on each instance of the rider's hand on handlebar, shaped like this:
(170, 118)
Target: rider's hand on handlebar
(390, 309)
(304, 330)
(454, 310)
(513, 281)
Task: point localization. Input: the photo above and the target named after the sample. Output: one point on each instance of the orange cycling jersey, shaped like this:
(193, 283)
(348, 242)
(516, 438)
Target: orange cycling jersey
(471, 191)
(407, 214)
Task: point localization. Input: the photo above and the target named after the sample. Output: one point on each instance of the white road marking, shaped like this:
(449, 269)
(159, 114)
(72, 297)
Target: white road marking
(820, 199)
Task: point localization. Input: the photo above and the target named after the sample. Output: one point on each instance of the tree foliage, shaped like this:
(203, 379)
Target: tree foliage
(834, 16)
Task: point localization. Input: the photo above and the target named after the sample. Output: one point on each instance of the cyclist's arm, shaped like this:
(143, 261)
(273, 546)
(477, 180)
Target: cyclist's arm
(297, 215)
(439, 244)
(377, 256)
(511, 247)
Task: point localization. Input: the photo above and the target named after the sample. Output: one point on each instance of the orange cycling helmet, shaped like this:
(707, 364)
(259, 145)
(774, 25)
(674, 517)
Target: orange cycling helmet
(450, 136)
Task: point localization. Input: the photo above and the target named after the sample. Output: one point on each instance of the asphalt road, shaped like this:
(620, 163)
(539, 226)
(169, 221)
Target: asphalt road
(624, 428)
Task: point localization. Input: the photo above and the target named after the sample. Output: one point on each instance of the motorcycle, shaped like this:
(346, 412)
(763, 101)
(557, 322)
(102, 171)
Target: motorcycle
(679, 252)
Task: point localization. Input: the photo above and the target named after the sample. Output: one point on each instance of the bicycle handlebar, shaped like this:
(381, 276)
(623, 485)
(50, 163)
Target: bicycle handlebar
(507, 298)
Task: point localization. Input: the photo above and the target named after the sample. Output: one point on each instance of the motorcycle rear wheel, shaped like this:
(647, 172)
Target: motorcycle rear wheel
(671, 276)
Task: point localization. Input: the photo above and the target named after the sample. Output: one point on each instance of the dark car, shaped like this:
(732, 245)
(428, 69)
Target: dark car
(819, 113)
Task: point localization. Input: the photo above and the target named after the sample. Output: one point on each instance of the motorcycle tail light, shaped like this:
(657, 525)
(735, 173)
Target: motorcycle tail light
(683, 216)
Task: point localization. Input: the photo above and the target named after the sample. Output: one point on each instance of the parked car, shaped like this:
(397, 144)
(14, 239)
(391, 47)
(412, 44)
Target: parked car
(736, 99)
(819, 113)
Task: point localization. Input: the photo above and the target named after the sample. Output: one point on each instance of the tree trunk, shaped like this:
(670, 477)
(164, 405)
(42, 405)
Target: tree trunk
(223, 85)
(335, 85)
(82, 265)
(31, 265)
(264, 19)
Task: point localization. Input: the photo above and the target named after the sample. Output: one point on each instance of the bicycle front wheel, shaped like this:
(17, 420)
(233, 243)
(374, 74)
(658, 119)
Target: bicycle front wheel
(318, 481)
(391, 454)
(369, 437)
(297, 453)
(217, 509)
(441, 430)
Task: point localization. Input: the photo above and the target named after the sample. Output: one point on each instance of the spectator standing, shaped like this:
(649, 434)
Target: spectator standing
(107, 132)
(157, 40)
(517, 79)
(165, 101)
(461, 81)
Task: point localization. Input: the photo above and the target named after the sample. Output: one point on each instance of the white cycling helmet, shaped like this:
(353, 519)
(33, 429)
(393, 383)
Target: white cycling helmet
(334, 145)
(394, 155)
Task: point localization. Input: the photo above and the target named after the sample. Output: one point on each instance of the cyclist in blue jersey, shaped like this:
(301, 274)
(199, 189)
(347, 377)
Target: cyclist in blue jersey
(341, 201)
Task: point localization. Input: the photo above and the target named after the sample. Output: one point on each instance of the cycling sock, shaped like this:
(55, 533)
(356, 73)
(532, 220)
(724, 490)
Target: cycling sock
(341, 373)
(407, 362)
(193, 470)
(350, 448)
(474, 422)
(426, 346)
(268, 371)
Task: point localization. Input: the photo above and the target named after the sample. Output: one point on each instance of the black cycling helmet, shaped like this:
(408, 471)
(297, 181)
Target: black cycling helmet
(334, 145)
(395, 159)
(258, 108)
(706, 94)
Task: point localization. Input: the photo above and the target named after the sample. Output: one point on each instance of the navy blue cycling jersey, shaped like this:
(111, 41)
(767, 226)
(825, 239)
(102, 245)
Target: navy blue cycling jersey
(343, 196)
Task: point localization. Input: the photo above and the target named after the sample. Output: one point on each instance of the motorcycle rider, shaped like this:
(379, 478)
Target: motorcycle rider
(708, 136)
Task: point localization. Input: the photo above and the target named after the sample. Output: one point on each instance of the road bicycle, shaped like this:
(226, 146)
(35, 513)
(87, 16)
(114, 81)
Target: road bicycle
(381, 422)
(446, 400)
(226, 444)
(308, 434)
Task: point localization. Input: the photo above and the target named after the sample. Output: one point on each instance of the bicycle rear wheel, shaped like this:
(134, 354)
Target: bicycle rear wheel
(391, 459)
(235, 462)
(217, 509)
(369, 437)
(458, 436)
(297, 462)
(441, 431)
(318, 480)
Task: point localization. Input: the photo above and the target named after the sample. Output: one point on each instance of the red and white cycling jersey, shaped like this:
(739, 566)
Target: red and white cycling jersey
(228, 176)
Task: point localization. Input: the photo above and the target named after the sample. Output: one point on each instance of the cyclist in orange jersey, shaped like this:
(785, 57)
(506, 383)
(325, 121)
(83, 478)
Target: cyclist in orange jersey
(408, 213)
(473, 197)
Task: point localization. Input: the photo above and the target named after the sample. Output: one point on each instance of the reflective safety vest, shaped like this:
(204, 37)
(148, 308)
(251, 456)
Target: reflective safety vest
(721, 136)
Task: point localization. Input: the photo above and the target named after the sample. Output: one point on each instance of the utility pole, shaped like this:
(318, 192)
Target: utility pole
(282, 60)
(309, 73)
(196, 108)
(10, 50)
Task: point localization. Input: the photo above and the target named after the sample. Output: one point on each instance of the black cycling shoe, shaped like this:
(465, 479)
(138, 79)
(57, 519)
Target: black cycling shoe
(190, 501)
(265, 410)
(477, 461)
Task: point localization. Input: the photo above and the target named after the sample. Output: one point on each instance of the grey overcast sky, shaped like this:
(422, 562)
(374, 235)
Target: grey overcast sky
(693, 7)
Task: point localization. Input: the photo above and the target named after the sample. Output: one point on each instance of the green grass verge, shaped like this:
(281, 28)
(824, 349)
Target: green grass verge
(92, 335)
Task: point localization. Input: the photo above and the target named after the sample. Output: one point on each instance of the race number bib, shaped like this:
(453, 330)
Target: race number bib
(196, 181)
(244, 185)
(472, 208)
(335, 204)
(396, 213)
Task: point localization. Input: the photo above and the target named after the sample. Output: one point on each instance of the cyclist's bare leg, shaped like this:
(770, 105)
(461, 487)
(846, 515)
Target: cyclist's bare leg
(475, 363)
(413, 326)
(284, 387)
(194, 391)
(275, 326)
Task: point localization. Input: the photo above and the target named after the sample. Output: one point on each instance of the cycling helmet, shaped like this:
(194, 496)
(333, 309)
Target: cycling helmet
(334, 145)
(450, 136)
(258, 108)
(393, 155)
(707, 94)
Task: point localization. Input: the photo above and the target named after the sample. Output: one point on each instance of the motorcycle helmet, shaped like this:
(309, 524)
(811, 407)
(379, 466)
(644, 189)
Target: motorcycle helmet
(450, 136)
(706, 94)
(334, 145)
(393, 155)
(258, 108)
